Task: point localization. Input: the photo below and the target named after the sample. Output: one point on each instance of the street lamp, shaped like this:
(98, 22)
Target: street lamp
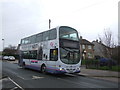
(84, 53)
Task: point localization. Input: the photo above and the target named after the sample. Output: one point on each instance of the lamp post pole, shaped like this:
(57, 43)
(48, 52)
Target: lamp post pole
(3, 43)
(3, 46)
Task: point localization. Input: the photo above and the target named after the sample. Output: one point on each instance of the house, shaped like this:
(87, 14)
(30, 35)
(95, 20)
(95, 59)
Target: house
(101, 50)
(86, 49)
(115, 53)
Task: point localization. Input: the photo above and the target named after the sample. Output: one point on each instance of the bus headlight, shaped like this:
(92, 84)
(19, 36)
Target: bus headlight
(62, 69)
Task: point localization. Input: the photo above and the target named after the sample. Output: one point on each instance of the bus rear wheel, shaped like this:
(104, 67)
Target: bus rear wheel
(43, 69)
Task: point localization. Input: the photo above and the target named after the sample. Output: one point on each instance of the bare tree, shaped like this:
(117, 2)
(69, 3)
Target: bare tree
(108, 47)
(107, 38)
(107, 43)
(12, 47)
(10, 50)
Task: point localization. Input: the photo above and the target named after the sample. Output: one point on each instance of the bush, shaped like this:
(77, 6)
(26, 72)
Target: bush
(90, 63)
(114, 68)
(83, 62)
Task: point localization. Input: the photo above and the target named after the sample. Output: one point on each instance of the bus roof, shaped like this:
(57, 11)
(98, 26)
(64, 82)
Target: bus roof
(47, 30)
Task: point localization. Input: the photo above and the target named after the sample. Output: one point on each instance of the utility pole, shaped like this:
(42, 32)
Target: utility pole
(49, 23)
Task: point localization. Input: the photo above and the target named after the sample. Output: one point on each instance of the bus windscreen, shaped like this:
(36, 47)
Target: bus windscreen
(68, 33)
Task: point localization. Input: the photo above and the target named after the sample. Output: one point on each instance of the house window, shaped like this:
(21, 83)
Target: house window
(89, 55)
(89, 47)
(83, 46)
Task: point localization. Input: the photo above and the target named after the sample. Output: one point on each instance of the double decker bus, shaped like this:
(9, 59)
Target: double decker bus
(54, 51)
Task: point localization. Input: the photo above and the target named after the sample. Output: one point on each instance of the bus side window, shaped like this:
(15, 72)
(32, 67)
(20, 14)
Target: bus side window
(53, 54)
(44, 55)
(39, 37)
(40, 53)
(52, 34)
(33, 54)
(25, 54)
(46, 36)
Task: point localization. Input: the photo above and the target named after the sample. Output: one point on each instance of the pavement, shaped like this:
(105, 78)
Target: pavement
(101, 74)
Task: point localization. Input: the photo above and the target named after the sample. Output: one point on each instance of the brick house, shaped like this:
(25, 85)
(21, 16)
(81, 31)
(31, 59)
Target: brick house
(86, 49)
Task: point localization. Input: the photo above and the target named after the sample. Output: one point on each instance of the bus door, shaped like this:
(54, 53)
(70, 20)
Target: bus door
(53, 57)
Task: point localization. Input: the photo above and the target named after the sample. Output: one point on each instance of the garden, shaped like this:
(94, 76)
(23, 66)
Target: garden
(101, 65)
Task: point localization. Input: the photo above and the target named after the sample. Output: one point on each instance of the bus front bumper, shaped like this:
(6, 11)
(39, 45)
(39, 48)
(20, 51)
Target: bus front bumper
(60, 71)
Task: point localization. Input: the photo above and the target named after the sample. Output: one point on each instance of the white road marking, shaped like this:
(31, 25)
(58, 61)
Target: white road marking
(14, 88)
(36, 77)
(20, 77)
(19, 67)
(17, 75)
(15, 83)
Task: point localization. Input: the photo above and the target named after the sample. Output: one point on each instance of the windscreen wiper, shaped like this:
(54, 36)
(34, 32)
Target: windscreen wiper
(71, 50)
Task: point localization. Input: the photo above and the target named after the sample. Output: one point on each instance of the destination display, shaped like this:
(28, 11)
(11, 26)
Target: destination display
(69, 44)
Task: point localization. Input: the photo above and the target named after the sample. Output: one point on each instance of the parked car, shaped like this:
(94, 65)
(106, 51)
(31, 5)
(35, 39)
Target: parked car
(112, 62)
(5, 57)
(103, 62)
(106, 62)
(11, 58)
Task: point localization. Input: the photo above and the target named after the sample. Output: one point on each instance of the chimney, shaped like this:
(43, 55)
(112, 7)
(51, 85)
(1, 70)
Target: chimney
(100, 42)
(96, 40)
(81, 37)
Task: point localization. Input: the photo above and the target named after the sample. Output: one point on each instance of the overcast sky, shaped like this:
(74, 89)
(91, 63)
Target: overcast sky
(22, 18)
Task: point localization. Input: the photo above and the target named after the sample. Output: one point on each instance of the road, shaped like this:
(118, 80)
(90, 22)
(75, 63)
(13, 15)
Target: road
(27, 78)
